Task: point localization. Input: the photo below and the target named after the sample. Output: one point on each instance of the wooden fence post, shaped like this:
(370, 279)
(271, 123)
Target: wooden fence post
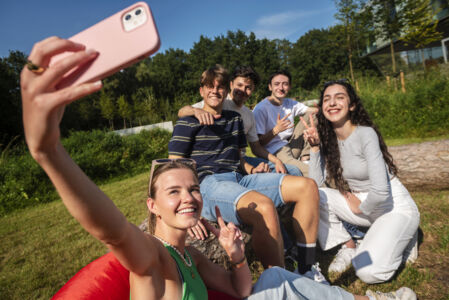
(402, 82)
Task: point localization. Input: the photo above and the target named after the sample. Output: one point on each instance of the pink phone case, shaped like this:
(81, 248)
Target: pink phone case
(117, 48)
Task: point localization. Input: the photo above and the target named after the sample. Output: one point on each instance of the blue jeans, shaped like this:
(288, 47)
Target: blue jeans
(255, 161)
(225, 190)
(277, 283)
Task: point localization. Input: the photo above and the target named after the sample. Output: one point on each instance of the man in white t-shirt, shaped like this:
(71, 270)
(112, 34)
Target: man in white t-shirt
(242, 85)
(275, 123)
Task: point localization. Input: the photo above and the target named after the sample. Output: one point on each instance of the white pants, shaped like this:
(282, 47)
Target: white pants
(391, 228)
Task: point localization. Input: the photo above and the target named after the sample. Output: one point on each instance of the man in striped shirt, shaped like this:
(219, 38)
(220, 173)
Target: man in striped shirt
(243, 193)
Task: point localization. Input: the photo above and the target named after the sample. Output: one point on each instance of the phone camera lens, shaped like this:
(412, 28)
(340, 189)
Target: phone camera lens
(138, 12)
(127, 17)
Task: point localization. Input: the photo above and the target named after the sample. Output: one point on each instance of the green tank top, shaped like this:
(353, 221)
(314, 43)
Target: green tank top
(193, 287)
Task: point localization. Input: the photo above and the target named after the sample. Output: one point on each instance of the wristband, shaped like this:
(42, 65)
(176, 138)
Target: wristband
(239, 264)
(315, 145)
(251, 171)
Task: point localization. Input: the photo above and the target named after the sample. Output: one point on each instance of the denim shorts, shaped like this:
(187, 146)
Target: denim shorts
(225, 190)
(278, 283)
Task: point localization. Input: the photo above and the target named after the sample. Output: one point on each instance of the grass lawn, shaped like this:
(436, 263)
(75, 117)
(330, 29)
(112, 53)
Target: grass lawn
(42, 247)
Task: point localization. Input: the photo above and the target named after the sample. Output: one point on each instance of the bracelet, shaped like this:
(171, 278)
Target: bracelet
(251, 171)
(239, 264)
(315, 145)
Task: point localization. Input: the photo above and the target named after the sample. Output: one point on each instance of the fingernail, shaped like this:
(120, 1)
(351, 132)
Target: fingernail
(91, 51)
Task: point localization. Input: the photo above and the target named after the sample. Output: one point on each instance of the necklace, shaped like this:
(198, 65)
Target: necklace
(188, 264)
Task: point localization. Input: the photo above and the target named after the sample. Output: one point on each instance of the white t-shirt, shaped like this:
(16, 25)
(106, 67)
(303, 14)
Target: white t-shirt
(249, 123)
(266, 114)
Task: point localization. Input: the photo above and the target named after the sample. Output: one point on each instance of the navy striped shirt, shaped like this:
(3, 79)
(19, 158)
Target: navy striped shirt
(215, 148)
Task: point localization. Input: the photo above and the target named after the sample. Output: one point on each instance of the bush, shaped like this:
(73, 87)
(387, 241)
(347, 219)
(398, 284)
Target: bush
(420, 112)
(101, 155)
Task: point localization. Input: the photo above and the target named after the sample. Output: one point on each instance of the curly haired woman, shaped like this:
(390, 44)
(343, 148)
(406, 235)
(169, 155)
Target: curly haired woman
(349, 152)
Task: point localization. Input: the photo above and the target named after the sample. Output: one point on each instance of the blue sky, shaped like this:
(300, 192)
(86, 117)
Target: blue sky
(180, 23)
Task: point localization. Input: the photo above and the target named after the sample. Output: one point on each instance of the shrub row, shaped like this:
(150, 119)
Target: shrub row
(100, 155)
(420, 112)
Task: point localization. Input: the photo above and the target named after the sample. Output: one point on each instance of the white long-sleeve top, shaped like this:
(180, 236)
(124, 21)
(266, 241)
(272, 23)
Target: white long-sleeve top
(363, 166)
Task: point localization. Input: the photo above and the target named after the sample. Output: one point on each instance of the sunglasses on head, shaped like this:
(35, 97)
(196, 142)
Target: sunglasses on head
(163, 161)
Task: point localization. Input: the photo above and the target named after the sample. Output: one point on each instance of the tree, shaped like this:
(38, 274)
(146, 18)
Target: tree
(284, 48)
(388, 17)
(347, 12)
(124, 109)
(10, 103)
(420, 25)
(318, 56)
(107, 108)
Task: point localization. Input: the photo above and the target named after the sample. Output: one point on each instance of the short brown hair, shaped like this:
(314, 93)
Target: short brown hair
(246, 72)
(216, 72)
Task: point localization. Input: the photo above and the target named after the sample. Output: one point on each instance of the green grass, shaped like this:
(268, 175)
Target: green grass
(404, 141)
(429, 275)
(42, 247)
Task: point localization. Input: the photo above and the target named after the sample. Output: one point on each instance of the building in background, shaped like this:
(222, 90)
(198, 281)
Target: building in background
(407, 56)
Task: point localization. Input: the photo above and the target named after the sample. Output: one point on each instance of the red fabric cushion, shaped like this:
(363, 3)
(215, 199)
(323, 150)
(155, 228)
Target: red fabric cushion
(106, 278)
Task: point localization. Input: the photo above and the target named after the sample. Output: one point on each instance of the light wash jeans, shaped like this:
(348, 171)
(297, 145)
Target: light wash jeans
(225, 190)
(255, 161)
(277, 284)
(392, 227)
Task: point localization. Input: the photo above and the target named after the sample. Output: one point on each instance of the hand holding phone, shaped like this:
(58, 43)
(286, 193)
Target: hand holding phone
(120, 40)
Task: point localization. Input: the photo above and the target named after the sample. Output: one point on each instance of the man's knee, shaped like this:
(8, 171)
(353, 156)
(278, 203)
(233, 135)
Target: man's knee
(295, 187)
(255, 207)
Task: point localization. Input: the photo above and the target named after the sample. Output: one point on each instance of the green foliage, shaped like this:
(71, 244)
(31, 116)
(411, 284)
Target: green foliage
(124, 109)
(422, 111)
(101, 155)
(421, 25)
(388, 18)
(320, 55)
(107, 108)
(10, 105)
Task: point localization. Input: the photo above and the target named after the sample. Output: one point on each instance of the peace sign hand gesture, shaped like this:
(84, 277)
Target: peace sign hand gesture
(229, 236)
(311, 133)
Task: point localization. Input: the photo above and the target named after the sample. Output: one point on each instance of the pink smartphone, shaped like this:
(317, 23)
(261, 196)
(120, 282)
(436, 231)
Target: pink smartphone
(121, 40)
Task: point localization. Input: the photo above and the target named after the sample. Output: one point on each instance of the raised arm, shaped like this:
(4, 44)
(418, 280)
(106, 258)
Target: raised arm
(316, 165)
(205, 118)
(43, 107)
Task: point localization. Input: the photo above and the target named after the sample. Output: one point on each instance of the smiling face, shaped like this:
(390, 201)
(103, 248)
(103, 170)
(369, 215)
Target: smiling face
(241, 90)
(336, 105)
(279, 86)
(177, 198)
(214, 95)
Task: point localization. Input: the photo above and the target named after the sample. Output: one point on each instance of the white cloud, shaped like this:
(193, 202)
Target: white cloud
(282, 25)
